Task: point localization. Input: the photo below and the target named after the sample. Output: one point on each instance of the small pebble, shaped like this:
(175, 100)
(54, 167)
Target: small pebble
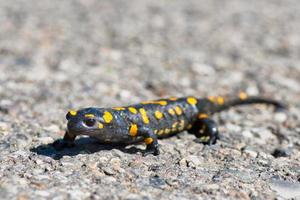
(286, 189)
(108, 171)
(247, 134)
(280, 152)
(193, 161)
(115, 163)
(280, 117)
(249, 152)
(46, 140)
(157, 181)
(183, 163)
(52, 128)
(4, 128)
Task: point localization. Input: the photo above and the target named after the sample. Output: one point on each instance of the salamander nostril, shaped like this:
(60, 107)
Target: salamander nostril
(68, 116)
(90, 122)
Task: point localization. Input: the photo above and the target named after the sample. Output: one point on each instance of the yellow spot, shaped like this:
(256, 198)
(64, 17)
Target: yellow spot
(119, 108)
(180, 128)
(166, 131)
(148, 140)
(144, 116)
(173, 98)
(181, 125)
(155, 131)
(243, 95)
(163, 103)
(160, 132)
(107, 117)
(178, 110)
(147, 102)
(189, 126)
(100, 125)
(73, 112)
(89, 115)
(220, 100)
(174, 125)
(132, 110)
(158, 114)
(171, 111)
(211, 98)
(204, 138)
(133, 130)
(202, 116)
(192, 100)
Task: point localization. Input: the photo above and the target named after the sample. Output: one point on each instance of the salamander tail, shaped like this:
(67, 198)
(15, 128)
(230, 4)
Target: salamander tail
(244, 99)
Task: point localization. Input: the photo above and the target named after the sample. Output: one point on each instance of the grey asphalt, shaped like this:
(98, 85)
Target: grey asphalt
(60, 55)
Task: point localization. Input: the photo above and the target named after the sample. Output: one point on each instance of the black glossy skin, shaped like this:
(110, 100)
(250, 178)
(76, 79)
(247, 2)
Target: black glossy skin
(118, 129)
(116, 126)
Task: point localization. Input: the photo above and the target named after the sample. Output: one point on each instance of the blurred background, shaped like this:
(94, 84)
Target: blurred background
(56, 55)
(106, 52)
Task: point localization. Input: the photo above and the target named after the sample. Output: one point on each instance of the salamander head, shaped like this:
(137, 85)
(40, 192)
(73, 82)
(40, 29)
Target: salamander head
(88, 121)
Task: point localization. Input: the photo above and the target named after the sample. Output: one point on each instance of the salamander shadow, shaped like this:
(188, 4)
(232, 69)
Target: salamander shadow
(83, 145)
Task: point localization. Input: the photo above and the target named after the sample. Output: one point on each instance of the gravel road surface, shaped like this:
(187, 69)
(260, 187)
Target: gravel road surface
(56, 55)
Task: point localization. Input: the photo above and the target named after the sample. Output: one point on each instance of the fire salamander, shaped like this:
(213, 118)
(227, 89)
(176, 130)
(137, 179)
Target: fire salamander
(151, 120)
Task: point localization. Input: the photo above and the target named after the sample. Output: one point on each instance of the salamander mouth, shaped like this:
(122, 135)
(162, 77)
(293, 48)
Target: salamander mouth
(82, 131)
(80, 128)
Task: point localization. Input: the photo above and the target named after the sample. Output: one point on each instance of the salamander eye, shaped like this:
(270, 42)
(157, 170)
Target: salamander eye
(90, 122)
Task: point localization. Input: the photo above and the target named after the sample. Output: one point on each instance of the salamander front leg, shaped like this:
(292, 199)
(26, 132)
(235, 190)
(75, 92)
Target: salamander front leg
(206, 130)
(68, 141)
(151, 141)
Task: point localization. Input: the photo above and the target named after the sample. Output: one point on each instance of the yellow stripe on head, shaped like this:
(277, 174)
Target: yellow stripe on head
(107, 117)
(173, 98)
(89, 115)
(73, 112)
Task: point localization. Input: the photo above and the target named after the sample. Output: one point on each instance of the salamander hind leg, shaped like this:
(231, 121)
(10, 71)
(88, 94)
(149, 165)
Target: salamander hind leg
(206, 130)
(150, 140)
